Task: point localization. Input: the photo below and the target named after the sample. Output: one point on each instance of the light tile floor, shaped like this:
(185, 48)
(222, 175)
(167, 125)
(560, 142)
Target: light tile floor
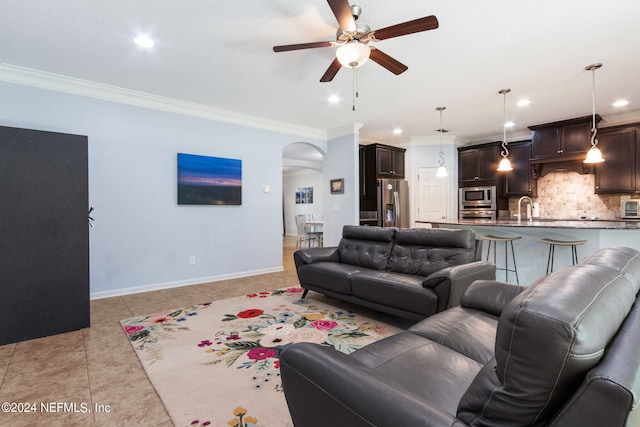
(97, 365)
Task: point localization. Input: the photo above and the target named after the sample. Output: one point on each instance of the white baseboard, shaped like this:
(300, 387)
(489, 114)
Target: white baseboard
(179, 283)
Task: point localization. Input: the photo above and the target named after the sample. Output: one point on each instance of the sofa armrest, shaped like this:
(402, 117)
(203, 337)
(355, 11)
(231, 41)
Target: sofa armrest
(325, 387)
(490, 296)
(451, 282)
(311, 255)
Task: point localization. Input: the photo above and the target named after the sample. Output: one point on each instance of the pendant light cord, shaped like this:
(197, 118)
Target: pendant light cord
(441, 153)
(505, 150)
(594, 141)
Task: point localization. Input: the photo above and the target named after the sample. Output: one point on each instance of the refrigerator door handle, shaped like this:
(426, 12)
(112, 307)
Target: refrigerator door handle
(396, 206)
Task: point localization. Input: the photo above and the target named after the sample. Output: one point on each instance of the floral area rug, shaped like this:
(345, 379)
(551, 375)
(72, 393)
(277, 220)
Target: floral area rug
(217, 363)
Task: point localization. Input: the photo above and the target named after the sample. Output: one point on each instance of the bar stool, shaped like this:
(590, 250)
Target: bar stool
(552, 245)
(495, 239)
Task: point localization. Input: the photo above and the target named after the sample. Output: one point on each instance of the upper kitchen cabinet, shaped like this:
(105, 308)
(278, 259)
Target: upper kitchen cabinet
(378, 161)
(619, 172)
(519, 181)
(560, 141)
(386, 161)
(477, 165)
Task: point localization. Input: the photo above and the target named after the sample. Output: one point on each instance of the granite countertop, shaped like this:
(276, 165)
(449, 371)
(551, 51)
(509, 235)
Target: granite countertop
(612, 224)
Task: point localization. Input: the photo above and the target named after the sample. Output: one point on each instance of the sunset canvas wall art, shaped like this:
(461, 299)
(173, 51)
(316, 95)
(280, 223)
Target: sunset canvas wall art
(204, 180)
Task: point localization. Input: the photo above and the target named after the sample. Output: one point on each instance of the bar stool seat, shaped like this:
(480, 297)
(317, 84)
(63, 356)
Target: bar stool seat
(552, 245)
(507, 240)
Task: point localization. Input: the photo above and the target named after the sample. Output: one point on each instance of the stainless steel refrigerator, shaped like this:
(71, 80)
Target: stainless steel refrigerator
(393, 203)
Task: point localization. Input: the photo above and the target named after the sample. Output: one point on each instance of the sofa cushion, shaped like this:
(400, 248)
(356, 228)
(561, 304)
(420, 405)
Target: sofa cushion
(423, 367)
(394, 290)
(424, 251)
(621, 259)
(367, 247)
(558, 329)
(469, 332)
(333, 276)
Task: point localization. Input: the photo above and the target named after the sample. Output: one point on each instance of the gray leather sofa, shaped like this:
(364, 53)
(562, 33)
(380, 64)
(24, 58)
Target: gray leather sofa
(564, 351)
(411, 273)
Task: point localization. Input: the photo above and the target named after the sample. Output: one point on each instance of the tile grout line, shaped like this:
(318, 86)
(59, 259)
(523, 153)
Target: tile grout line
(9, 362)
(86, 364)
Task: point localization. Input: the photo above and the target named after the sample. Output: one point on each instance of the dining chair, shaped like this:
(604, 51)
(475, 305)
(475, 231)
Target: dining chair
(304, 237)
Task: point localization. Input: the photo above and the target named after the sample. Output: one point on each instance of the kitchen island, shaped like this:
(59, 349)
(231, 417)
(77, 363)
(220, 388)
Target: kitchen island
(531, 254)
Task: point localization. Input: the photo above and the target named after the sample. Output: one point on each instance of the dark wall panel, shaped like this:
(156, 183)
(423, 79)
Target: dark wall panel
(44, 235)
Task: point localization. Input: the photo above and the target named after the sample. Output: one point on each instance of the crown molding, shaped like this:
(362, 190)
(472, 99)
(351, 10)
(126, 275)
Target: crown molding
(59, 83)
(349, 129)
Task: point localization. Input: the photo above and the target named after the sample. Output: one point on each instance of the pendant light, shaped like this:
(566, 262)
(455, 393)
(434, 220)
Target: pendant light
(593, 155)
(505, 164)
(442, 171)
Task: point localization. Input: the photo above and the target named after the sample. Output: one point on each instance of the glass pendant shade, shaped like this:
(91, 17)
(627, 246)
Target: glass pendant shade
(353, 54)
(505, 165)
(594, 155)
(441, 172)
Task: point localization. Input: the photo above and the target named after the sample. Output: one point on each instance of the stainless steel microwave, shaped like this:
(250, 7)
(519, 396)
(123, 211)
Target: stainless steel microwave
(477, 197)
(630, 208)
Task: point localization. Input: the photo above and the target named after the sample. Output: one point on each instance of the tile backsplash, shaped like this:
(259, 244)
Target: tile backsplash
(569, 195)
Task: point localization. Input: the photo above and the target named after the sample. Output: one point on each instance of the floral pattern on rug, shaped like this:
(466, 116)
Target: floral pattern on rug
(146, 332)
(241, 419)
(254, 339)
(207, 359)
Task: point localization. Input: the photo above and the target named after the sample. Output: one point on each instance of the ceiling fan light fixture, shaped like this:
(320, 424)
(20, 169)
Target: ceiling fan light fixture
(353, 54)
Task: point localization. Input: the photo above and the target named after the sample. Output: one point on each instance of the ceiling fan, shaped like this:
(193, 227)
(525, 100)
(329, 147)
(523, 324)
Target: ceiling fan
(353, 39)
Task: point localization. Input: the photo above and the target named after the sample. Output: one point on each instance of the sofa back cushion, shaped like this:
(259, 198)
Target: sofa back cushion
(421, 252)
(367, 247)
(548, 337)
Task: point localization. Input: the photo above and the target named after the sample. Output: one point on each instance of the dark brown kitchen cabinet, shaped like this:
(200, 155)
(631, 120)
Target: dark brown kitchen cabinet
(382, 161)
(519, 181)
(478, 165)
(389, 162)
(619, 172)
(378, 161)
(559, 141)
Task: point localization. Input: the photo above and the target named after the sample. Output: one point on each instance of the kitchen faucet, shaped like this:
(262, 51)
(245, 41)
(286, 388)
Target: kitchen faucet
(527, 198)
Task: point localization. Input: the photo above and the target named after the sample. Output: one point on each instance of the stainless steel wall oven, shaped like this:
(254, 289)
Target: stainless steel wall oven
(477, 203)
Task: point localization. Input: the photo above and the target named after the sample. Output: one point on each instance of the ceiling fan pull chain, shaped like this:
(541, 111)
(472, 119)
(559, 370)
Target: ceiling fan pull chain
(355, 87)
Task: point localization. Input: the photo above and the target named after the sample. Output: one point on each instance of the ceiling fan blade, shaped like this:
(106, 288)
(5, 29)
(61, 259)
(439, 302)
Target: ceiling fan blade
(387, 62)
(299, 46)
(342, 12)
(331, 71)
(410, 27)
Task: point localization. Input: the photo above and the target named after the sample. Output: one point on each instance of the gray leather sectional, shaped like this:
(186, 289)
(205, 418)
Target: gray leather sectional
(564, 351)
(411, 273)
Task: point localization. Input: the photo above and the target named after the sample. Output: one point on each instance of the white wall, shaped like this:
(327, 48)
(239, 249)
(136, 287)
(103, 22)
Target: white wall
(142, 239)
(299, 179)
(342, 161)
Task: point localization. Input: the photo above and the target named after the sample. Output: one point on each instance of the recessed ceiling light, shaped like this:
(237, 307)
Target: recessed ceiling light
(397, 131)
(143, 41)
(523, 102)
(509, 124)
(334, 99)
(620, 103)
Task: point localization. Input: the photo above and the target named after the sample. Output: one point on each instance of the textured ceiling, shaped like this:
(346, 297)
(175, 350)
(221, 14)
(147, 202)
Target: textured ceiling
(219, 54)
